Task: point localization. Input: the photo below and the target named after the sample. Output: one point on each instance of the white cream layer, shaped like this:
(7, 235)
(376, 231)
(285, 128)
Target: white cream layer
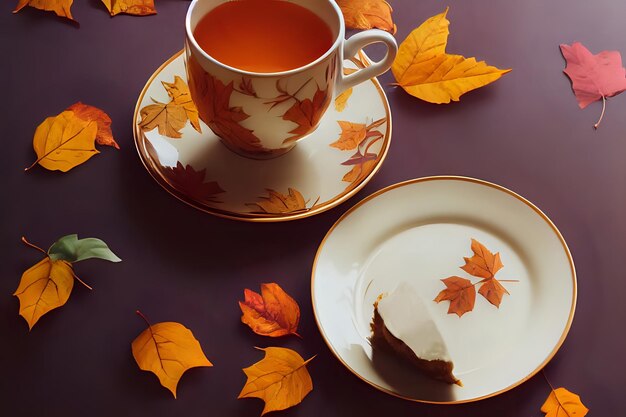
(407, 318)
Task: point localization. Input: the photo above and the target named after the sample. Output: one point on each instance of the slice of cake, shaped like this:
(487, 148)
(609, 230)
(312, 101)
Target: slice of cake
(402, 326)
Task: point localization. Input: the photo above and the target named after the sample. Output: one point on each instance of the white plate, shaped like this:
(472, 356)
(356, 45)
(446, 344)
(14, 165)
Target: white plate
(418, 232)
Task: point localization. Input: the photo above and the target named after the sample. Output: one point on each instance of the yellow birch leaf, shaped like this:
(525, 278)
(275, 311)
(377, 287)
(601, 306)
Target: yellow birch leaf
(168, 349)
(563, 403)
(179, 93)
(64, 141)
(352, 134)
(168, 118)
(280, 379)
(367, 14)
(44, 287)
(60, 7)
(134, 7)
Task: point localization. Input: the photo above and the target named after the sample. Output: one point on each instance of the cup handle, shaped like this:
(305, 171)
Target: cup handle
(358, 42)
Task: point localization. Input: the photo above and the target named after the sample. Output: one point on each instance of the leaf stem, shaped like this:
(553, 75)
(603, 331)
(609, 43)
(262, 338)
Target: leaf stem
(81, 281)
(547, 380)
(34, 246)
(140, 314)
(601, 114)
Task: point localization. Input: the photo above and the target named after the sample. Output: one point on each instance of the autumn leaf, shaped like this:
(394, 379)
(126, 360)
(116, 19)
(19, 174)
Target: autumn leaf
(367, 14)
(341, 101)
(60, 7)
(277, 203)
(48, 284)
(169, 118)
(192, 182)
(280, 379)
(134, 7)
(65, 141)
(215, 109)
(424, 70)
(461, 294)
(485, 264)
(593, 77)
(563, 403)
(352, 134)
(167, 349)
(272, 313)
(359, 172)
(104, 135)
(179, 94)
(306, 114)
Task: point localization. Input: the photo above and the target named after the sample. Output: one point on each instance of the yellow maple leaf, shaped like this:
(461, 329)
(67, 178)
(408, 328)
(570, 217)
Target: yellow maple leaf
(168, 349)
(563, 403)
(168, 118)
(278, 203)
(280, 379)
(134, 7)
(60, 7)
(424, 70)
(65, 141)
(179, 93)
(367, 14)
(44, 286)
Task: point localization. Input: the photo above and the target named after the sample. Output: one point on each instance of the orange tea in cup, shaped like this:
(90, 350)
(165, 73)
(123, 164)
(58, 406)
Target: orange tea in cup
(263, 35)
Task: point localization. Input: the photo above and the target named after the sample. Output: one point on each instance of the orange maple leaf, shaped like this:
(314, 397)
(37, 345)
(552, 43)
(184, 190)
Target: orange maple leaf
(214, 108)
(59, 7)
(461, 294)
(272, 313)
(485, 264)
(307, 113)
(187, 179)
(563, 403)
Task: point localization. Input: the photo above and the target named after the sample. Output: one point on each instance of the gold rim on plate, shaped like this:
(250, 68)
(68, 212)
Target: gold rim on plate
(138, 137)
(475, 181)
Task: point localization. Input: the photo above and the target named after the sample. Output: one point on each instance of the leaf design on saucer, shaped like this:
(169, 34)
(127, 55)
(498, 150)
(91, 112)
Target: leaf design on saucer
(214, 107)
(342, 99)
(359, 137)
(306, 114)
(179, 94)
(191, 182)
(277, 203)
(169, 118)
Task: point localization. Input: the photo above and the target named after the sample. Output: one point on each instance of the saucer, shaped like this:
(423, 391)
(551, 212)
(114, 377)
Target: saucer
(416, 233)
(323, 170)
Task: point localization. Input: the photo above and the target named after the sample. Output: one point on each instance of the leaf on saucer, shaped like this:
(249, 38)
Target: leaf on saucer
(48, 284)
(367, 14)
(192, 182)
(342, 99)
(277, 203)
(485, 264)
(563, 403)
(64, 141)
(60, 7)
(424, 70)
(461, 294)
(168, 349)
(169, 118)
(104, 135)
(352, 134)
(220, 116)
(306, 114)
(272, 313)
(179, 94)
(134, 7)
(280, 379)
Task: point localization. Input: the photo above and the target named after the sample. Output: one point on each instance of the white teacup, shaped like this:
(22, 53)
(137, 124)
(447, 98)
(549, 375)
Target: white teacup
(262, 115)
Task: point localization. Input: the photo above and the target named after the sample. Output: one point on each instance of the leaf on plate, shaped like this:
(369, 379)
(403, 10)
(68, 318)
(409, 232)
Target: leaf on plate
(593, 77)
(359, 172)
(48, 284)
(280, 379)
(104, 135)
(352, 134)
(485, 264)
(461, 294)
(168, 118)
(192, 182)
(272, 313)
(179, 94)
(341, 101)
(563, 403)
(217, 112)
(424, 70)
(64, 141)
(367, 14)
(278, 203)
(306, 114)
(134, 7)
(168, 349)
(60, 7)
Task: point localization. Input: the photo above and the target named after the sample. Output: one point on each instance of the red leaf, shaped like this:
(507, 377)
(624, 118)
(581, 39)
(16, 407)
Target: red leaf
(593, 76)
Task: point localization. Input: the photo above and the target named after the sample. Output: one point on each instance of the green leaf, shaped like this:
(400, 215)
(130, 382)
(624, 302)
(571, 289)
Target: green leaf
(72, 249)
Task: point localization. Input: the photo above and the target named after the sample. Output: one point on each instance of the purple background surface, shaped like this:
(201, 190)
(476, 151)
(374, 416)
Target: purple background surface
(524, 132)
